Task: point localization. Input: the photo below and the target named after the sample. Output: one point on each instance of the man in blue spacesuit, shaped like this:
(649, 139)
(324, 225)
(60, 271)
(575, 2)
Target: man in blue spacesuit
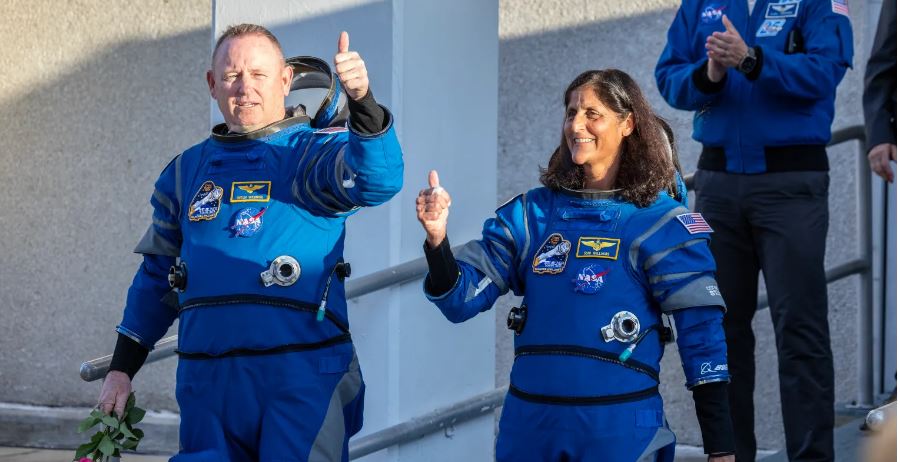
(248, 228)
(762, 83)
(600, 256)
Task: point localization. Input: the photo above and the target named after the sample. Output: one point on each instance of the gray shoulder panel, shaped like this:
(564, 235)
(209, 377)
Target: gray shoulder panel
(527, 243)
(178, 196)
(659, 256)
(154, 244)
(703, 291)
(636, 243)
(473, 253)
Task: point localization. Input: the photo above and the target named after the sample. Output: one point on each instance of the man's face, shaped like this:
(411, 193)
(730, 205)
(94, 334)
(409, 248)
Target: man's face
(249, 80)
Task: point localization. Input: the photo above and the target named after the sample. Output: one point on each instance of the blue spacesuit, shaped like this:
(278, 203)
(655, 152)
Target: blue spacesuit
(267, 369)
(597, 275)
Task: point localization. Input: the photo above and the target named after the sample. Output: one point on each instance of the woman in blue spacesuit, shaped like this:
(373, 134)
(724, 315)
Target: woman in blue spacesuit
(600, 253)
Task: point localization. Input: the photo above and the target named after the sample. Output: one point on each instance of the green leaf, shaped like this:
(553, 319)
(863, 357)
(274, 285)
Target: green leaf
(135, 415)
(85, 449)
(130, 403)
(110, 421)
(106, 446)
(96, 413)
(130, 444)
(97, 437)
(87, 423)
(125, 431)
(138, 433)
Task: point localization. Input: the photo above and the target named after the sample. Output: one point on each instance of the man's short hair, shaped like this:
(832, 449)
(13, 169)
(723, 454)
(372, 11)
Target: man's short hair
(241, 30)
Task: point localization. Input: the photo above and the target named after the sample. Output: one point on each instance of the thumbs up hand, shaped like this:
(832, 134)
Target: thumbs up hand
(350, 69)
(433, 209)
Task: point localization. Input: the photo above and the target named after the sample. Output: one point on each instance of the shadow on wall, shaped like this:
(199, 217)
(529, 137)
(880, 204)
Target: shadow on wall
(75, 181)
(77, 167)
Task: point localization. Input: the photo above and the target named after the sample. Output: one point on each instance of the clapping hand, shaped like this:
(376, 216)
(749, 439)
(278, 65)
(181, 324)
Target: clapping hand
(726, 48)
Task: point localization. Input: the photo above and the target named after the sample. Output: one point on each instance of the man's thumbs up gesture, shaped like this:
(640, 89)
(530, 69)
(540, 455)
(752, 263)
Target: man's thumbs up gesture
(351, 69)
(432, 210)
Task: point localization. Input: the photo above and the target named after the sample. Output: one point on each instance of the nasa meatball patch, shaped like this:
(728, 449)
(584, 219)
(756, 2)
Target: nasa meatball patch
(246, 222)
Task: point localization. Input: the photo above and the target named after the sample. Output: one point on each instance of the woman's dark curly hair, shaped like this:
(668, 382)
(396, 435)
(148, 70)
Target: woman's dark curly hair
(645, 168)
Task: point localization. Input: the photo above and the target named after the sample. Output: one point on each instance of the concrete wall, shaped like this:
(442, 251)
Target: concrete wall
(543, 46)
(96, 98)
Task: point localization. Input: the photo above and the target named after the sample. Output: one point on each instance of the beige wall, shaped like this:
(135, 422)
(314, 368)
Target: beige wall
(95, 98)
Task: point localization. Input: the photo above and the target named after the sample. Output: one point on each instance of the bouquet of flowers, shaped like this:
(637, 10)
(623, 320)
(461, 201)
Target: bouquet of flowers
(115, 435)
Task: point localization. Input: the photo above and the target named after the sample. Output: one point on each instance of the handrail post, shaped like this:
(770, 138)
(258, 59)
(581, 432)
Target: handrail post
(865, 367)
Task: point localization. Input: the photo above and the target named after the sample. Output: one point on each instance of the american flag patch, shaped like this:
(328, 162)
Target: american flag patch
(694, 223)
(840, 7)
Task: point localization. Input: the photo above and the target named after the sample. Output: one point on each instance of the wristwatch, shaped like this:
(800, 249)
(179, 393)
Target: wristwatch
(749, 62)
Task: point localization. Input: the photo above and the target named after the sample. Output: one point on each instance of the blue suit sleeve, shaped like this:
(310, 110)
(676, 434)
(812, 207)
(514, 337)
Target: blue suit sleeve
(341, 171)
(679, 269)
(163, 237)
(676, 264)
(677, 65)
(147, 316)
(472, 294)
(487, 266)
(701, 345)
(815, 74)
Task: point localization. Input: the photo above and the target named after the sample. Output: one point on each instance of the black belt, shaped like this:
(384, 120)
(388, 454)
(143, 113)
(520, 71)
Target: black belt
(585, 352)
(591, 353)
(800, 157)
(584, 400)
(289, 348)
(204, 302)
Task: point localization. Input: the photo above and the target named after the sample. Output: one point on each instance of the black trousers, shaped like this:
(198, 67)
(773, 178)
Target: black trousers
(775, 222)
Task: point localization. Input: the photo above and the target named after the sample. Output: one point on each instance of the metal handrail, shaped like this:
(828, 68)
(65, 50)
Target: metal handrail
(418, 427)
(476, 406)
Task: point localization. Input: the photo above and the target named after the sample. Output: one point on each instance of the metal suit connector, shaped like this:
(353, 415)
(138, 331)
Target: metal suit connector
(284, 271)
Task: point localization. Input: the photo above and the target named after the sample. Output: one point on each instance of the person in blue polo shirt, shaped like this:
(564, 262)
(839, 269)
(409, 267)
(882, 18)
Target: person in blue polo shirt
(762, 83)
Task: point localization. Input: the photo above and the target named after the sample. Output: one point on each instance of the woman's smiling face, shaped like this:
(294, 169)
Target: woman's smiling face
(593, 132)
